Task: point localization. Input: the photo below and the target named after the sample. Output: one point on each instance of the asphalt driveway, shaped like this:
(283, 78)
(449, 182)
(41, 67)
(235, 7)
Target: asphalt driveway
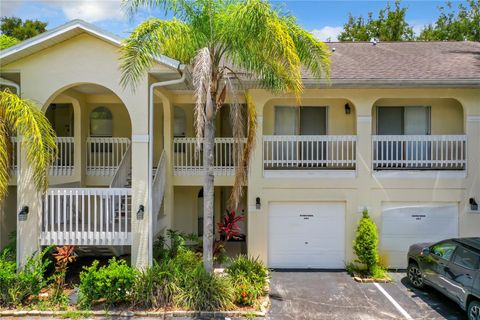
(335, 295)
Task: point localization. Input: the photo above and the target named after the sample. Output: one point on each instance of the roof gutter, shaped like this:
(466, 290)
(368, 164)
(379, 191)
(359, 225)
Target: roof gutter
(153, 86)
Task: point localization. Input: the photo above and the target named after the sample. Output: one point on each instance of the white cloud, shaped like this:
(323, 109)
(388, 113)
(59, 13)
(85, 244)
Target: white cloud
(88, 10)
(91, 10)
(417, 28)
(327, 33)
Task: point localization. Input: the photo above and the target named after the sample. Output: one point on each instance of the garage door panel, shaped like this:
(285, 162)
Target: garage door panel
(306, 235)
(404, 225)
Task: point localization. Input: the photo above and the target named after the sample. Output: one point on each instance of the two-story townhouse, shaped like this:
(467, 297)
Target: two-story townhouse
(396, 130)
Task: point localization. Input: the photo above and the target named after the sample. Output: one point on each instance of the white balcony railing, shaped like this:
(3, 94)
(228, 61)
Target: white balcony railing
(86, 216)
(64, 164)
(309, 152)
(188, 162)
(105, 154)
(425, 152)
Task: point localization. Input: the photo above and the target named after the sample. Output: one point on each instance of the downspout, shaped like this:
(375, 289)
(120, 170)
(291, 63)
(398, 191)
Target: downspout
(180, 69)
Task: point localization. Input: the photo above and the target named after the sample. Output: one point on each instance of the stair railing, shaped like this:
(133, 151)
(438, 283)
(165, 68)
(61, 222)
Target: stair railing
(121, 177)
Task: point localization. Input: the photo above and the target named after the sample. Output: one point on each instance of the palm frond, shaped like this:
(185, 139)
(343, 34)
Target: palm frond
(180, 8)
(202, 80)
(241, 172)
(38, 138)
(5, 156)
(152, 38)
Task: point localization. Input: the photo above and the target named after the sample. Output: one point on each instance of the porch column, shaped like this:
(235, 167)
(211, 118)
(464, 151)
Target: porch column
(29, 228)
(169, 198)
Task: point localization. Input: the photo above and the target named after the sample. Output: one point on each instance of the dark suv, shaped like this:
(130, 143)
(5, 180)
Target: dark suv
(450, 266)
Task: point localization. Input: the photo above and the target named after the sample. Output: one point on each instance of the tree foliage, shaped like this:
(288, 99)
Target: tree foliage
(220, 39)
(390, 25)
(6, 41)
(24, 117)
(459, 25)
(365, 244)
(16, 28)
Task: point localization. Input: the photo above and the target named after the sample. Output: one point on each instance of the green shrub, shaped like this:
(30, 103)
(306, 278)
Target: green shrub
(112, 282)
(16, 287)
(156, 286)
(365, 244)
(202, 290)
(249, 277)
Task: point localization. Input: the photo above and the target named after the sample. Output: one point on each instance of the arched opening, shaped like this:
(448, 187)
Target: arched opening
(420, 134)
(94, 130)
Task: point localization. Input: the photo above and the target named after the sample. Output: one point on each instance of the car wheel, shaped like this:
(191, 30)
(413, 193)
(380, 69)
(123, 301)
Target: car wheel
(473, 311)
(415, 275)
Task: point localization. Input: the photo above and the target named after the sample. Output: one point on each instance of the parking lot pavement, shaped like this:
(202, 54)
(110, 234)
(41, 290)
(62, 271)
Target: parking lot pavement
(335, 295)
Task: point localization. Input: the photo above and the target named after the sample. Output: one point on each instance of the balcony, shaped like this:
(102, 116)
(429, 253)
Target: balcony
(419, 152)
(86, 216)
(188, 161)
(316, 152)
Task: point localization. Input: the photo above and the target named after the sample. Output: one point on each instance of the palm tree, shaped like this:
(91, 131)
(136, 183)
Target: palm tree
(222, 39)
(25, 118)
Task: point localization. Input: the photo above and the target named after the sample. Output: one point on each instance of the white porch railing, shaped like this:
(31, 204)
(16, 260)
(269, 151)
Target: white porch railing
(419, 151)
(64, 164)
(105, 154)
(188, 162)
(158, 190)
(87, 216)
(309, 152)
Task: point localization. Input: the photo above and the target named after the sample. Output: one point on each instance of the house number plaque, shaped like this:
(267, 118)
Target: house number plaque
(306, 216)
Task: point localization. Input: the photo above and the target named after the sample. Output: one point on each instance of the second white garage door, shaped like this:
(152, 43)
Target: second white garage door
(306, 235)
(406, 224)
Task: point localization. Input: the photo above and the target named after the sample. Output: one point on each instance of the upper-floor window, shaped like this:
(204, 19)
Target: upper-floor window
(403, 120)
(303, 120)
(101, 122)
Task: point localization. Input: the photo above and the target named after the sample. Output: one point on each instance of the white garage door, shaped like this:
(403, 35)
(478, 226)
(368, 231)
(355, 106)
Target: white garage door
(306, 235)
(404, 225)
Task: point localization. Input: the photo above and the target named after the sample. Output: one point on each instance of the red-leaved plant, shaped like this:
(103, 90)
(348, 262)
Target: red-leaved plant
(229, 227)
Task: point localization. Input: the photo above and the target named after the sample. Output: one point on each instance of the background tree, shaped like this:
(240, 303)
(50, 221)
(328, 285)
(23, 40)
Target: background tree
(390, 25)
(459, 25)
(6, 41)
(218, 38)
(25, 118)
(21, 30)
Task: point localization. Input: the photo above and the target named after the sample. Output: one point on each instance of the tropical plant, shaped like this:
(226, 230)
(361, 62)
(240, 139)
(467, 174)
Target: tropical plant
(365, 244)
(63, 256)
(112, 282)
(221, 39)
(21, 30)
(229, 228)
(249, 277)
(24, 117)
(206, 291)
(7, 41)
(16, 286)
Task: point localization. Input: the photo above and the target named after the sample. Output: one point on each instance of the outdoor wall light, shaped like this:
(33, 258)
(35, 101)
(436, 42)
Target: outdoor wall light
(140, 212)
(22, 215)
(348, 110)
(258, 205)
(473, 204)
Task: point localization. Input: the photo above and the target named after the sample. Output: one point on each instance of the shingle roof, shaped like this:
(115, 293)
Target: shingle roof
(405, 61)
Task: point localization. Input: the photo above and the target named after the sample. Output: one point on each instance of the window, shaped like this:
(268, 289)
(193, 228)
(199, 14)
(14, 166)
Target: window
(403, 120)
(179, 122)
(466, 258)
(300, 120)
(101, 122)
(444, 250)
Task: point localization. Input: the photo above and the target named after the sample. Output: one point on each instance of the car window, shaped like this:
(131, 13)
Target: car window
(444, 250)
(466, 258)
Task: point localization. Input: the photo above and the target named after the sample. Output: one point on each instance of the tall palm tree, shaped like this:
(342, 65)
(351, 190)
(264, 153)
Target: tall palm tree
(221, 39)
(25, 118)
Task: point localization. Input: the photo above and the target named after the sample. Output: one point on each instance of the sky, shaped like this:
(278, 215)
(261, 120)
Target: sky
(324, 18)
